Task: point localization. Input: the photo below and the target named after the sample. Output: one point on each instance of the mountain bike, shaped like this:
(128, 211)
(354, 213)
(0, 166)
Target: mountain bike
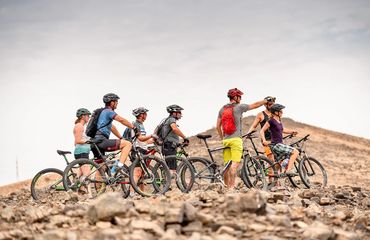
(208, 171)
(48, 181)
(98, 174)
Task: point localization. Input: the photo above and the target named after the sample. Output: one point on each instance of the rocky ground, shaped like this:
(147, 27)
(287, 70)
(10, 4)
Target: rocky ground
(213, 213)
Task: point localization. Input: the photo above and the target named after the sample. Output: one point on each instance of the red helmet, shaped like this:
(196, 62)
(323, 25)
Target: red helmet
(234, 92)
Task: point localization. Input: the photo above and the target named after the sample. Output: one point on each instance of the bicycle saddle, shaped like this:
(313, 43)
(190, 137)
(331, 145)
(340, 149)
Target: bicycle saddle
(60, 152)
(201, 136)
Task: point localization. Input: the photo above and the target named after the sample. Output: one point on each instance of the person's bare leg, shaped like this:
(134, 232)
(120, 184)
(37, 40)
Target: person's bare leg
(292, 159)
(232, 174)
(125, 147)
(226, 177)
(137, 174)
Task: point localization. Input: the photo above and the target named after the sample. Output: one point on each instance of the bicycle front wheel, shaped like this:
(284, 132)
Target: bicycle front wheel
(253, 173)
(312, 173)
(86, 177)
(150, 176)
(184, 173)
(47, 182)
(204, 172)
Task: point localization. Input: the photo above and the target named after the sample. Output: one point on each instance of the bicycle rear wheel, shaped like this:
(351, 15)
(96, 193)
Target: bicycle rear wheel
(155, 176)
(86, 177)
(204, 172)
(270, 170)
(185, 177)
(47, 182)
(312, 173)
(253, 173)
(122, 178)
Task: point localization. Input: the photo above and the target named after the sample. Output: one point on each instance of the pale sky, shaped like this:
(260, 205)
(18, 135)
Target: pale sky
(58, 56)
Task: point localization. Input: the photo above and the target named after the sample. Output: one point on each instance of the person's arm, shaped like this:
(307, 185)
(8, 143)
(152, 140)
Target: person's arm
(78, 132)
(177, 131)
(256, 121)
(144, 138)
(256, 104)
(289, 131)
(219, 129)
(262, 133)
(115, 131)
(123, 121)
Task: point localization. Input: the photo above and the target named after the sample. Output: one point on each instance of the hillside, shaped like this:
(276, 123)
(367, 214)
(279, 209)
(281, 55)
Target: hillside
(213, 212)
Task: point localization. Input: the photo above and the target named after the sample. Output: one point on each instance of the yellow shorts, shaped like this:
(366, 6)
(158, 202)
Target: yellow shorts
(234, 151)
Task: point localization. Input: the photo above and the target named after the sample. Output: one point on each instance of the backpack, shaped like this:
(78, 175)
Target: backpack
(127, 134)
(159, 132)
(92, 126)
(227, 120)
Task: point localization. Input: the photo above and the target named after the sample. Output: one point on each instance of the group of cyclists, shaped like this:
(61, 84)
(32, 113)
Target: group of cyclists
(229, 127)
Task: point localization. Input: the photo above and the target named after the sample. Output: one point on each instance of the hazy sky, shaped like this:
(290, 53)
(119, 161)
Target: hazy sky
(58, 56)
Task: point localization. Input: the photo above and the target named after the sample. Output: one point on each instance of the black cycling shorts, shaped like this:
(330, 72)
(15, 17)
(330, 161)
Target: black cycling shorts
(82, 155)
(168, 149)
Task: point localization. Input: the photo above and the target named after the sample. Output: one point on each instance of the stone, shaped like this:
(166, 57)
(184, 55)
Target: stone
(103, 225)
(195, 226)
(225, 229)
(36, 214)
(252, 202)
(7, 214)
(174, 215)
(325, 201)
(170, 234)
(225, 237)
(204, 218)
(142, 206)
(308, 193)
(108, 234)
(345, 235)
(176, 227)
(147, 226)
(106, 207)
(54, 235)
(318, 231)
(189, 212)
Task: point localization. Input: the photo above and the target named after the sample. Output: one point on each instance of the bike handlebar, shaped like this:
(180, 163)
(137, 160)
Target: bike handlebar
(250, 135)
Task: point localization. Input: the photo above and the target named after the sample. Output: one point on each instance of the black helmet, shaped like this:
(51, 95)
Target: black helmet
(276, 108)
(270, 98)
(174, 108)
(136, 112)
(82, 111)
(107, 98)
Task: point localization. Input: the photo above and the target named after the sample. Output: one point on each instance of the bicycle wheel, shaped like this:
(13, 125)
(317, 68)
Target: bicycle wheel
(155, 176)
(122, 178)
(296, 180)
(47, 182)
(85, 176)
(270, 170)
(312, 173)
(204, 172)
(184, 177)
(253, 173)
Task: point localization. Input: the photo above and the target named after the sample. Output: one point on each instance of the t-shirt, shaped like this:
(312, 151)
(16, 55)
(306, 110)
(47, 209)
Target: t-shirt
(106, 116)
(171, 137)
(238, 111)
(276, 130)
(129, 133)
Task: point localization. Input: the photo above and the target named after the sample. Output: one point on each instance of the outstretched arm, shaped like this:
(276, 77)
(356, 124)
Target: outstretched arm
(115, 131)
(257, 104)
(123, 121)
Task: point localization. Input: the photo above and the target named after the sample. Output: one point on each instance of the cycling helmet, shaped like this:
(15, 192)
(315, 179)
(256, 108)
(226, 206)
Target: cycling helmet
(82, 111)
(270, 97)
(107, 98)
(276, 108)
(136, 112)
(174, 108)
(234, 92)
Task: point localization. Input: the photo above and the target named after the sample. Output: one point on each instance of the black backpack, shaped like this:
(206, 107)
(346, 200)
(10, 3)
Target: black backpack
(92, 126)
(159, 132)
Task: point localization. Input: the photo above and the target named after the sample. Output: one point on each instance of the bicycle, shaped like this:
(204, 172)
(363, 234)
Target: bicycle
(48, 180)
(208, 171)
(99, 174)
(303, 168)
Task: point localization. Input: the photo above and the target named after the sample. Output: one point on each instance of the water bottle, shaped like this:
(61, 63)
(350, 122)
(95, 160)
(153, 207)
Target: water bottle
(285, 163)
(113, 170)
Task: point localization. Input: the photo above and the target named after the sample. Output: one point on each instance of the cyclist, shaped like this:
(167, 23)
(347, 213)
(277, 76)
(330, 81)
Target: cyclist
(277, 129)
(140, 114)
(82, 149)
(171, 133)
(261, 119)
(105, 127)
(229, 127)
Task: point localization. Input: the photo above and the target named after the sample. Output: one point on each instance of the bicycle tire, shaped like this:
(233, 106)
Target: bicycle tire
(253, 173)
(94, 183)
(296, 180)
(204, 173)
(52, 178)
(307, 173)
(155, 178)
(184, 179)
(123, 179)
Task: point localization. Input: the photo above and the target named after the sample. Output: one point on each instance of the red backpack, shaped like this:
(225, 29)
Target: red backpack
(227, 119)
